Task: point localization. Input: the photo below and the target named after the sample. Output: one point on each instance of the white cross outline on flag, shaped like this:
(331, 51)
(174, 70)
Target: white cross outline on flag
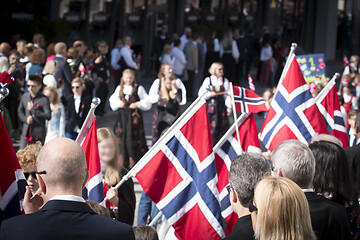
(287, 120)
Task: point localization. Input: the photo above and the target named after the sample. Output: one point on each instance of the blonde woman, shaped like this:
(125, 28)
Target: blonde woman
(129, 99)
(50, 69)
(229, 54)
(280, 211)
(124, 197)
(56, 125)
(218, 106)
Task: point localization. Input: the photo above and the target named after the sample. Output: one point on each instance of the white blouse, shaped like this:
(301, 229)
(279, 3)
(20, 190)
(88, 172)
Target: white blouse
(144, 104)
(154, 91)
(216, 82)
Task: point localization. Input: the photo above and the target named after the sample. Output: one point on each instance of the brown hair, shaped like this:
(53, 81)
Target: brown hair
(161, 70)
(27, 156)
(77, 80)
(37, 57)
(72, 53)
(96, 207)
(131, 72)
(50, 49)
(145, 233)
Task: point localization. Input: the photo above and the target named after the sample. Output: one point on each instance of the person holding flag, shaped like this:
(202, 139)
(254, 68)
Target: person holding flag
(218, 102)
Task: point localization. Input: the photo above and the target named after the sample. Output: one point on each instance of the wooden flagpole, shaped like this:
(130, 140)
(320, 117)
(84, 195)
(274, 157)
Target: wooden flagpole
(234, 113)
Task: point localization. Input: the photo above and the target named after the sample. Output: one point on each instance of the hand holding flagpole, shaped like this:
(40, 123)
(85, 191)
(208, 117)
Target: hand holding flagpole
(90, 117)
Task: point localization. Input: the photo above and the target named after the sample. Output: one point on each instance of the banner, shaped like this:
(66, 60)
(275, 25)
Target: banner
(312, 67)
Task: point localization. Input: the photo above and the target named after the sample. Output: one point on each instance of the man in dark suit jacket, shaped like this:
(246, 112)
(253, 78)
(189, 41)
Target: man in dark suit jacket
(62, 175)
(353, 154)
(294, 160)
(77, 106)
(33, 111)
(242, 44)
(245, 172)
(64, 74)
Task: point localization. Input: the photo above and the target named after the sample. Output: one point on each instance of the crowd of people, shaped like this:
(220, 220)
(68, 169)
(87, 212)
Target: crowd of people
(297, 192)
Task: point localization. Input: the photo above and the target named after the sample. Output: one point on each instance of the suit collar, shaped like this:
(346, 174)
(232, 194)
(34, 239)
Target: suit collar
(70, 206)
(311, 195)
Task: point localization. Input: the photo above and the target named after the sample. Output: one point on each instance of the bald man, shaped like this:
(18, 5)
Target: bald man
(64, 74)
(61, 175)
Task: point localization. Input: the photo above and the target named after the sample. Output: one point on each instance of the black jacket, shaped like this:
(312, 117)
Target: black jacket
(60, 219)
(329, 220)
(243, 229)
(353, 154)
(74, 119)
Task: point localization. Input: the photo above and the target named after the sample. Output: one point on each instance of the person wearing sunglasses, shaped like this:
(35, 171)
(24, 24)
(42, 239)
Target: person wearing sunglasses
(245, 172)
(27, 159)
(33, 111)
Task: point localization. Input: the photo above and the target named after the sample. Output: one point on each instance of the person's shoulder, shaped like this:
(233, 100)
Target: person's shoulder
(112, 225)
(353, 150)
(326, 206)
(242, 229)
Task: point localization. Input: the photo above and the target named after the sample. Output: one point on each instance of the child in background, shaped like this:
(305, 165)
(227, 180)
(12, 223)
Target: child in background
(350, 101)
(351, 126)
(124, 197)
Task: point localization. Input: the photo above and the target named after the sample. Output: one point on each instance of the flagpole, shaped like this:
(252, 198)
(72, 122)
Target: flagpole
(4, 92)
(327, 88)
(134, 170)
(234, 112)
(90, 117)
(240, 121)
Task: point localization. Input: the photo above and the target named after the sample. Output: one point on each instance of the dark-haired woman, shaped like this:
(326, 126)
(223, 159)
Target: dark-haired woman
(334, 180)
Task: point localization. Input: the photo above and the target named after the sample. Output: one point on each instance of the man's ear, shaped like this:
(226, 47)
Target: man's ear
(233, 195)
(280, 173)
(41, 182)
(86, 179)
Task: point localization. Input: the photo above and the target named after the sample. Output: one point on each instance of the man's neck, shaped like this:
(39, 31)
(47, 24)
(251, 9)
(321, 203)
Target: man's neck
(241, 211)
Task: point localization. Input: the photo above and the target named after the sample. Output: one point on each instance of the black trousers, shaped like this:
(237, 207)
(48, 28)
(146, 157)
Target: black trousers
(101, 91)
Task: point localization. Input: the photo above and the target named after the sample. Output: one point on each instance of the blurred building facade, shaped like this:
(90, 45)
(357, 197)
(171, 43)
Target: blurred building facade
(328, 26)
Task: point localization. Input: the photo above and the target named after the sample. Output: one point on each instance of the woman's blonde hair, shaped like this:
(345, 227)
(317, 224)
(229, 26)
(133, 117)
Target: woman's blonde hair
(162, 69)
(111, 175)
(37, 57)
(27, 156)
(283, 211)
(56, 102)
(132, 73)
(164, 92)
(51, 67)
(214, 66)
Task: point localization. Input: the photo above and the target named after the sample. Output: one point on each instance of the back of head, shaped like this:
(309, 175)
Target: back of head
(177, 42)
(59, 48)
(296, 162)
(326, 137)
(145, 233)
(27, 156)
(96, 207)
(51, 67)
(283, 211)
(64, 162)
(245, 172)
(333, 175)
(38, 37)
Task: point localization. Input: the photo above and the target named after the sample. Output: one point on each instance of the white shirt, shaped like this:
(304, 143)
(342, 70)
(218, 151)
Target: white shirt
(155, 87)
(77, 101)
(167, 59)
(353, 141)
(126, 54)
(183, 41)
(50, 81)
(216, 82)
(144, 104)
(68, 198)
(115, 57)
(234, 50)
(179, 61)
(347, 98)
(216, 45)
(266, 53)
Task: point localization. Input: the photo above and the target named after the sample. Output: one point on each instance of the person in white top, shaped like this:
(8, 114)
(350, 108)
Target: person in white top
(218, 102)
(115, 58)
(169, 93)
(185, 37)
(167, 57)
(128, 99)
(126, 55)
(179, 59)
(353, 68)
(229, 55)
(265, 61)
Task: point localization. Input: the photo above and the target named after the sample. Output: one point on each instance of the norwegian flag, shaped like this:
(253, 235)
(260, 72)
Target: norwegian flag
(179, 174)
(226, 150)
(346, 61)
(12, 180)
(251, 83)
(82, 70)
(328, 103)
(88, 139)
(247, 101)
(5, 79)
(293, 113)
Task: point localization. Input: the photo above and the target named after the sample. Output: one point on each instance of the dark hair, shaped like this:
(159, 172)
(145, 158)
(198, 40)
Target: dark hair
(36, 78)
(177, 42)
(145, 233)
(195, 36)
(357, 121)
(333, 175)
(96, 207)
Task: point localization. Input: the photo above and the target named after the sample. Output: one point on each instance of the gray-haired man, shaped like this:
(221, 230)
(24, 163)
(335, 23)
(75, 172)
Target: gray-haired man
(245, 172)
(294, 160)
